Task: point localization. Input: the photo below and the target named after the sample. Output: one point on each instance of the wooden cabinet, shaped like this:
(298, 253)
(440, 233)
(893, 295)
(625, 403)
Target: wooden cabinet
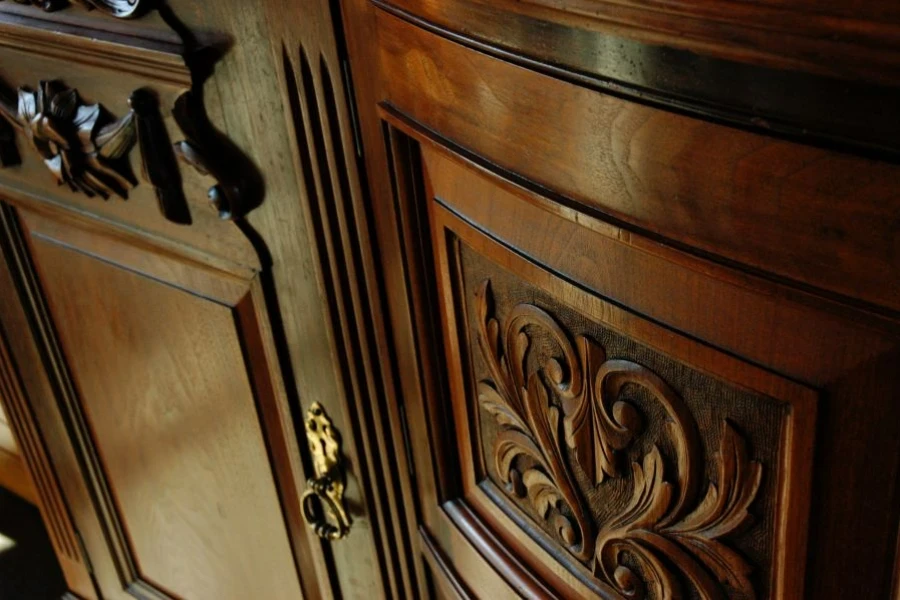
(169, 388)
(642, 291)
(166, 334)
(543, 299)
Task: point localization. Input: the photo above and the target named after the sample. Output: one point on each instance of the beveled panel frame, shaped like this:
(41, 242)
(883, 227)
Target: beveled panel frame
(106, 542)
(794, 470)
(473, 511)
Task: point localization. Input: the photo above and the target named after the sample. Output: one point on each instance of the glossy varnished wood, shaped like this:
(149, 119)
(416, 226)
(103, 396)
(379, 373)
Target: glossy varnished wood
(804, 213)
(186, 487)
(836, 38)
(663, 195)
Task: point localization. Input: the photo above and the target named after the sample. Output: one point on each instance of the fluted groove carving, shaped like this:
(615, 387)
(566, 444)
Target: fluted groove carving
(572, 411)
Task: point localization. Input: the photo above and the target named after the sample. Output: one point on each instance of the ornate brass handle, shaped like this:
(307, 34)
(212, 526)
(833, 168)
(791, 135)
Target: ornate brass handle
(323, 501)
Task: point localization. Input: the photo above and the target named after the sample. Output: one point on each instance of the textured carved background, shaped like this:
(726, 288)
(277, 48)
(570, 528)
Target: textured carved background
(747, 547)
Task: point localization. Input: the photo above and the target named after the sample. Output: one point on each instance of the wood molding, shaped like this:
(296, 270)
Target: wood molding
(317, 88)
(809, 107)
(237, 188)
(859, 46)
(88, 150)
(442, 571)
(152, 59)
(679, 511)
(41, 475)
(722, 28)
(582, 171)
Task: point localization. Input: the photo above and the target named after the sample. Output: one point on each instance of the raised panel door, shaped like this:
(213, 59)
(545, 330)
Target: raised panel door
(179, 414)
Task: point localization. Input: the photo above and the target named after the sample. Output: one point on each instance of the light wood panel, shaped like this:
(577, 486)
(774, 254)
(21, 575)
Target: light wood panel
(172, 383)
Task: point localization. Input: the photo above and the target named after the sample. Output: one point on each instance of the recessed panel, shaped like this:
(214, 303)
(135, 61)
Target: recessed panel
(612, 454)
(164, 386)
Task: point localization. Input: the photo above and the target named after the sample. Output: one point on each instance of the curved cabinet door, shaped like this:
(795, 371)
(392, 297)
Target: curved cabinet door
(643, 354)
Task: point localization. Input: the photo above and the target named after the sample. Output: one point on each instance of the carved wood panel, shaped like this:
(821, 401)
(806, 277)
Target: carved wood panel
(646, 471)
(122, 9)
(636, 460)
(91, 116)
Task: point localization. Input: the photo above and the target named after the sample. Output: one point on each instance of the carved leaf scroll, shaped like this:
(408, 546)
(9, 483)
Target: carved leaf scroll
(81, 145)
(87, 149)
(122, 9)
(665, 536)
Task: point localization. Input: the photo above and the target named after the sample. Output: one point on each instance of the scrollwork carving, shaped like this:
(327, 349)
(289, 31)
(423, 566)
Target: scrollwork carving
(122, 9)
(561, 412)
(80, 143)
(86, 148)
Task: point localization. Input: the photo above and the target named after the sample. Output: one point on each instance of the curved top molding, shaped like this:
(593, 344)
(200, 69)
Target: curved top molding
(808, 105)
(121, 9)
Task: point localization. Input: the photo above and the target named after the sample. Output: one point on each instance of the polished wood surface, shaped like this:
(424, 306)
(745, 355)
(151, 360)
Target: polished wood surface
(599, 296)
(799, 209)
(854, 40)
(216, 511)
(201, 516)
(585, 208)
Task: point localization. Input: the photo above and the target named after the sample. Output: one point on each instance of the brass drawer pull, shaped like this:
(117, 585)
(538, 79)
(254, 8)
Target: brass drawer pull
(328, 484)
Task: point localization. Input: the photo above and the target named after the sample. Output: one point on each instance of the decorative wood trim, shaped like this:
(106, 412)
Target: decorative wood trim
(327, 163)
(121, 9)
(238, 186)
(793, 469)
(789, 106)
(698, 25)
(156, 60)
(510, 566)
(81, 145)
(242, 293)
(76, 425)
(447, 577)
(577, 402)
(779, 37)
(40, 473)
(88, 150)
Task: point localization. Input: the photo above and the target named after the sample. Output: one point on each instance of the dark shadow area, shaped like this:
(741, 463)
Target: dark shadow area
(28, 569)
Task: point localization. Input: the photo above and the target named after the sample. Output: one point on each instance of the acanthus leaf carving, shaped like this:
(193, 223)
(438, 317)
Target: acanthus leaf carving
(78, 142)
(122, 9)
(669, 536)
(532, 428)
(87, 149)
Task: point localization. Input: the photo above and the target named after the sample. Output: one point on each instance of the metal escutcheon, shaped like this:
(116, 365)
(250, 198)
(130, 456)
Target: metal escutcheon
(323, 500)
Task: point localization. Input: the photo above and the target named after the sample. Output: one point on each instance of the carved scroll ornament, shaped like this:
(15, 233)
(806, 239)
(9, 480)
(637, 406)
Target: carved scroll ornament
(665, 528)
(87, 149)
(122, 9)
(80, 144)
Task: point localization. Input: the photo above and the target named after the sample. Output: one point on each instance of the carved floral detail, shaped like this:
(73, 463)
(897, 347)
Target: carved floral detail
(117, 8)
(573, 410)
(80, 144)
(84, 147)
